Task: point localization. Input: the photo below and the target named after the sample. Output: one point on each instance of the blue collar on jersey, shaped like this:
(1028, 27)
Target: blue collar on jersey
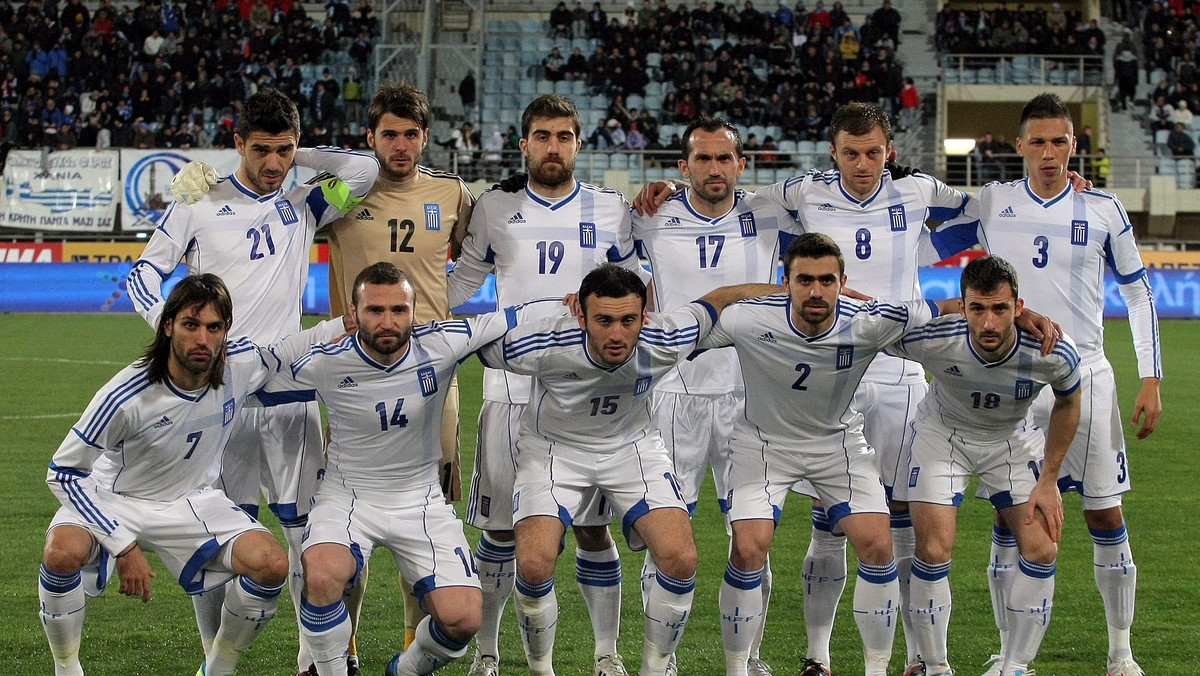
(386, 369)
(1046, 204)
(863, 203)
(993, 364)
(552, 205)
(687, 202)
(836, 315)
(250, 193)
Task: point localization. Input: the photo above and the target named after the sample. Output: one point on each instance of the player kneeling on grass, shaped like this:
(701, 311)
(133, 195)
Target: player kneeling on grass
(384, 389)
(987, 373)
(137, 470)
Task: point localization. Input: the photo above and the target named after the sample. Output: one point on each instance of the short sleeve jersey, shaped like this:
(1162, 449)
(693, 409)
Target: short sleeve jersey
(539, 248)
(691, 254)
(800, 387)
(385, 421)
(585, 404)
(880, 237)
(985, 400)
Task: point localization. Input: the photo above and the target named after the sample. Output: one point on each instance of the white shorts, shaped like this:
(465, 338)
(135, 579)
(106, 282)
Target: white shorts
(843, 474)
(280, 448)
(186, 534)
(491, 505)
(941, 464)
(557, 480)
(887, 413)
(695, 429)
(417, 526)
(1096, 464)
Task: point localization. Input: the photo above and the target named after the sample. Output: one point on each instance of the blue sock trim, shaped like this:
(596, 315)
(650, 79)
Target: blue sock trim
(820, 519)
(59, 583)
(676, 585)
(495, 552)
(742, 579)
(877, 574)
(443, 639)
(930, 572)
(536, 591)
(1110, 538)
(1003, 537)
(598, 573)
(901, 519)
(1040, 571)
(322, 618)
(255, 588)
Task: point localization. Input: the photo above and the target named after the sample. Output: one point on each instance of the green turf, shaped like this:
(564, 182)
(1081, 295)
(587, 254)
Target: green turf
(53, 364)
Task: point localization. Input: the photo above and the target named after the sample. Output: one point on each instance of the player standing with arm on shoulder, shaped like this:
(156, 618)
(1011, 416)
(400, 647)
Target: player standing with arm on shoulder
(1060, 243)
(414, 217)
(137, 473)
(256, 236)
(540, 242)
(986, 375)
(707, 235)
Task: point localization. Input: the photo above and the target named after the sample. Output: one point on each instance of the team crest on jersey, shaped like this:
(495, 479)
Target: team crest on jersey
(1024, 389)
(1079, 233)
(587, 235)
(749, 229)
(641, 385)
(433, 216)
(227, 412)
(287, 214)
(364, 215)
(845, 357)
(896, 214)
(428, 378)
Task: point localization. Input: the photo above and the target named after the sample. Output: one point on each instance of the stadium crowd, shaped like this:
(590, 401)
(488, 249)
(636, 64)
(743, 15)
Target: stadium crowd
(789, 67)
(162, 74)
(1032, 30)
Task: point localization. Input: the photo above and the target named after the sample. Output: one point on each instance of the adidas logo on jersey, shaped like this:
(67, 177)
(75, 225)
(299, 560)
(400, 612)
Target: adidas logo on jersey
(571, 376)
(827, 207)
(163, 423)
(673, 223)
(953, 370)
(364, 215)
(768, 338)
(1008, 213)
(516, 218)
(226, 211)
(348, 382)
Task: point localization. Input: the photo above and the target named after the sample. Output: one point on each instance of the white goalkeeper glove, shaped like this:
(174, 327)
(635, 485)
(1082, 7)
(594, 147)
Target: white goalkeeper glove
(193, 182)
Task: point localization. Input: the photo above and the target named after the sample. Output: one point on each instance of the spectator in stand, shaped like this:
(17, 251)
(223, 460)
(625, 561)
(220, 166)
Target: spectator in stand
(553, 64)
(1125, 68)
(1102, 166)
(466, 94)
(910, 103)
(577, 65)
(579, 19)
(1180, 142)
(597, 22)
(616, 132)
(560, 21)
(600, 139)
(819, 17)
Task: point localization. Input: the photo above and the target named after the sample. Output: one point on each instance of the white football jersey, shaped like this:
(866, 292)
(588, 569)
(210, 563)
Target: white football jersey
(1060, 248)
(982, 400)
(258, 245)
(579, 402)
(800, 387)
(539, 248)
(156, 442)
(691, 254)
(880, 237)
(385, 421)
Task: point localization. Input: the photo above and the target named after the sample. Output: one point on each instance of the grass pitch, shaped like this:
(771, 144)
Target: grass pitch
(53, 364)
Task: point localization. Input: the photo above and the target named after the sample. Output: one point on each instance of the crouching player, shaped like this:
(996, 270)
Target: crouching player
(986, 374)
(136, 473)
(384, 389)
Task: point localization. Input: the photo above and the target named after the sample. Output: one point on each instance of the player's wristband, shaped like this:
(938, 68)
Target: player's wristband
(128, 551)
